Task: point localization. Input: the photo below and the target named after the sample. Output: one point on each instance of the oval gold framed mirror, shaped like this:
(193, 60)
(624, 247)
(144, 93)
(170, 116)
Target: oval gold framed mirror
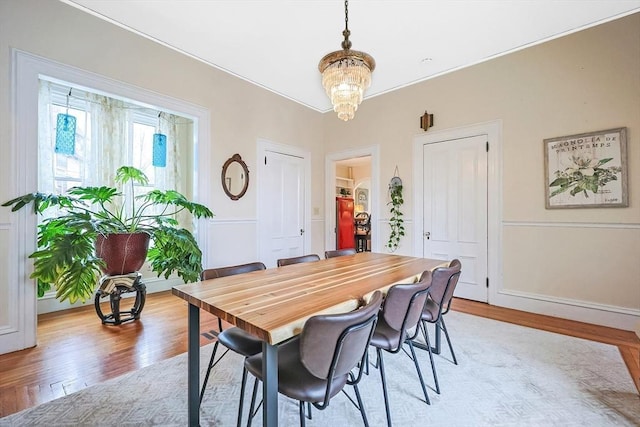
(235, 177)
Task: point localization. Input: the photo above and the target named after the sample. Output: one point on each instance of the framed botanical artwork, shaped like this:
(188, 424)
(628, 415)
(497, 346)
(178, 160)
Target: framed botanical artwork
(588, 170)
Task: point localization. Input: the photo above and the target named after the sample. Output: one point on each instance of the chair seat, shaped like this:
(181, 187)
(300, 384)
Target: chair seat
(384, 336)
(240, 341)
(294, 380)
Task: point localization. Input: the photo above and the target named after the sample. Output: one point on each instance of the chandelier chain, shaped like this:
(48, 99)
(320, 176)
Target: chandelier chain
(346, 43)
(346, 15)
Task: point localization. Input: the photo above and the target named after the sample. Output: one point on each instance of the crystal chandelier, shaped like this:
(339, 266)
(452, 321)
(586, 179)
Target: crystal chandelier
(346, 74)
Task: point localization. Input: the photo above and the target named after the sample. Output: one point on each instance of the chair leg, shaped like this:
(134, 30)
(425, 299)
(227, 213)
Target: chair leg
(425, 333)
(446, 334)
(242, 388)
(206, 377)
(360, 405)
(384, 386)
(366, 362)
(253, 402)
(415, 362)
(212, 363)
(302, 415)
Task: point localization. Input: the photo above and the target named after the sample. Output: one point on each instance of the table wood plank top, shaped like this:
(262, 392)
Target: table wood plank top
(273, 304)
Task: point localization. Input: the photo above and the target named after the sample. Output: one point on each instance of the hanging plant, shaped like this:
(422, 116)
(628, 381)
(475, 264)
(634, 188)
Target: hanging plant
(395, 220)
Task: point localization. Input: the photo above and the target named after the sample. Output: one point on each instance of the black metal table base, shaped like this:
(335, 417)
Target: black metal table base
(117, 317)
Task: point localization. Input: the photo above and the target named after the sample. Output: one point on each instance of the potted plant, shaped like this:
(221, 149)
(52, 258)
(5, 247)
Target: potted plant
(395, 220)
(74, 246)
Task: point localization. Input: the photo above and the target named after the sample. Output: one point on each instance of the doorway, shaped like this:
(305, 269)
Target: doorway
(455, 209)
(352, 176)
(284, 190)
(490, 134)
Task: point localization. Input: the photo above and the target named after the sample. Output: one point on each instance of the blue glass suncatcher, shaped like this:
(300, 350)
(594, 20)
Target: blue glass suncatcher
(159, 150)
(65, 134)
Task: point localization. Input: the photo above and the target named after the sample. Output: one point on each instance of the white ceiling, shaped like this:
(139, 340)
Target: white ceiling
(277, 44)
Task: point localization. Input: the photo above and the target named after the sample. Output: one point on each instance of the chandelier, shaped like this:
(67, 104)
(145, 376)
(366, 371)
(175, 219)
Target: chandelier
(346, 74)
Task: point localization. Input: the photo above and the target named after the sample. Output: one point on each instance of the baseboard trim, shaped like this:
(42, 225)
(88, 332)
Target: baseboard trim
(49, 304)
(630, 226)
(581, 311)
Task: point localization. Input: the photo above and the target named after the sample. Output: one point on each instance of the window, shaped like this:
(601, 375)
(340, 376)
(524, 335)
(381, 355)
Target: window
(109, 133)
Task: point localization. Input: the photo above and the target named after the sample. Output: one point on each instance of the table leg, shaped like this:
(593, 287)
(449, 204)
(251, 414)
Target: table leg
(193, 365)
(270, 385)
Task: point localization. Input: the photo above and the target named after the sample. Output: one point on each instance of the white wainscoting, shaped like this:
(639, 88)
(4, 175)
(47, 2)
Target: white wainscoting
(406, 246)
(8, 313)
(230, 242)
(235, 241)
(317, 236)
(579, 309)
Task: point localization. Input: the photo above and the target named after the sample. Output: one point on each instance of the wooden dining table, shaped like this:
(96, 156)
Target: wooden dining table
(274, 304)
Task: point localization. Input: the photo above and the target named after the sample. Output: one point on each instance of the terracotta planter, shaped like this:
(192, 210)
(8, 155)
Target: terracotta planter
(123, 253)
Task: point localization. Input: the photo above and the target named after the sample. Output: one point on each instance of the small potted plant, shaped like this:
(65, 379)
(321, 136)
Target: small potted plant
(344, 192)
(395, 220)
(75, 247)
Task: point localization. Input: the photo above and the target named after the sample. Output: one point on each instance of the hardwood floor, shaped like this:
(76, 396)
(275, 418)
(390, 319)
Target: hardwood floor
(76, 351)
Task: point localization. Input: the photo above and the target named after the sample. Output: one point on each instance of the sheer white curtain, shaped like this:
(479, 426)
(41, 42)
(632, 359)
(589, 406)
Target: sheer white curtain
(46, 140)
(103, 141)
(108, 139)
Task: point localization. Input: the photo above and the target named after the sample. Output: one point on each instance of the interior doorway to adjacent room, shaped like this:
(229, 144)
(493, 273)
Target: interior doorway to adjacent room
(351, 209)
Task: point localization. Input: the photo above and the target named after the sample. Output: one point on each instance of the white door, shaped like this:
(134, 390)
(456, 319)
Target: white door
(282, 221)
(455, 209)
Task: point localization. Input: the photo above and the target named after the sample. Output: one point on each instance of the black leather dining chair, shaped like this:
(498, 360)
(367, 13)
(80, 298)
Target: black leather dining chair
(397, 325)
(298, 259)
(339, 252)
(443, 284)
(317, 364)
(233, 338)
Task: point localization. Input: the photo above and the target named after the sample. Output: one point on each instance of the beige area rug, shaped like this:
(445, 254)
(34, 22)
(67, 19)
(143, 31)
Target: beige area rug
(507, 375)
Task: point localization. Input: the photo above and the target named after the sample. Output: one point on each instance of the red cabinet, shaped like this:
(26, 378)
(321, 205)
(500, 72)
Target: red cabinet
(345, 228)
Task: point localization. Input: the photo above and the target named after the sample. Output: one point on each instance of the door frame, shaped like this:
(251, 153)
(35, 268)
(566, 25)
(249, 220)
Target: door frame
(493, 131)
(264, 146)
(330, 193)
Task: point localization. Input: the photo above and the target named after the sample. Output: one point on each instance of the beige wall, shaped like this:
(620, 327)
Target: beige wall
(583, 82)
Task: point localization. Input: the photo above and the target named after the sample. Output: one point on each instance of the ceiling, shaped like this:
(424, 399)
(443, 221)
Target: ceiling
(277, 44)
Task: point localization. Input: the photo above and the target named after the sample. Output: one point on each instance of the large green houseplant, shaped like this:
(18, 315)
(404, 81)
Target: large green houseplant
(66, 248)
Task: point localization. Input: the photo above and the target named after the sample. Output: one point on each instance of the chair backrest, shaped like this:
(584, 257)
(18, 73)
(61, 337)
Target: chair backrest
(339, 252)
(456, 265)
(443, 284)
(403, 307)
(298, 259)
(214, 273)
(331, 345)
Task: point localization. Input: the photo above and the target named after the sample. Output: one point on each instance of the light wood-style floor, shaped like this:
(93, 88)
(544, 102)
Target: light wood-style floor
(76, 351)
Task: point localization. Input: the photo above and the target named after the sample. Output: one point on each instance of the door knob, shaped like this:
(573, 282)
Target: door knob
(301, 231)
(427, 234)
